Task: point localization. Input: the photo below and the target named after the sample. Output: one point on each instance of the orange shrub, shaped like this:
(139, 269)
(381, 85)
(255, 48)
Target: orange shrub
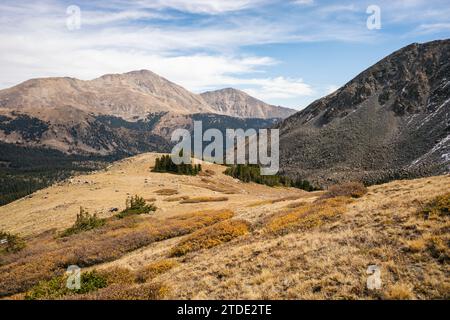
(348, 189)
(211, 237)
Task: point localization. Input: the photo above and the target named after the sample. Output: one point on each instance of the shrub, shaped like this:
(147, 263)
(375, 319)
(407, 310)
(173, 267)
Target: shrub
(10, 243)
(51, 289)
(204, 199)
(438, 247)
(43, 260)
(136, 205)
(165, 164)
(272, 201)
(311, 215)
(84, 222)
(154, 269)
(438, 207)
(348, 189)
(152, 291)
(174, 199)
(211, 236)
(56, 287)
(166, 192)
(117, 275)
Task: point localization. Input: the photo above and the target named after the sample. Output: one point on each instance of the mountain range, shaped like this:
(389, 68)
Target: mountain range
(119, 113)
(391, 121)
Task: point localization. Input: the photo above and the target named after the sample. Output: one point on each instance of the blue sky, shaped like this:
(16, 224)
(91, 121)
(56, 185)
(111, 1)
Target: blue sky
(284, 52)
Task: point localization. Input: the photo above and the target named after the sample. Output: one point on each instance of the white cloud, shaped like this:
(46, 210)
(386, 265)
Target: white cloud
(277, 88)
(198, 58)
(433, 28)
(303, 2)
(202, 6)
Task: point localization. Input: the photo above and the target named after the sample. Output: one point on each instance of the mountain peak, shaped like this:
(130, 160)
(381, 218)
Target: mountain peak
(231, 100)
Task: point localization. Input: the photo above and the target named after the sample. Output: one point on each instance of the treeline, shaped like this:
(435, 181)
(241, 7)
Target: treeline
(251, 173)
(24, 170)
(165, 164)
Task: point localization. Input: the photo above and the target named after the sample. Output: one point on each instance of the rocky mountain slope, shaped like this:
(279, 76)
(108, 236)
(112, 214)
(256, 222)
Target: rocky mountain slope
(391, 121)
(77, 132)
(234, 102)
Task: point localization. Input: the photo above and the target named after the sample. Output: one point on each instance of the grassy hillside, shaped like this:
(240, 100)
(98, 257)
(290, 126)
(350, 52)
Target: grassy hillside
(257, 242)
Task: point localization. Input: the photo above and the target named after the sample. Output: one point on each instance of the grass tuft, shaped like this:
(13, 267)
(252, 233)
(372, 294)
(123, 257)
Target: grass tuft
(437, 208)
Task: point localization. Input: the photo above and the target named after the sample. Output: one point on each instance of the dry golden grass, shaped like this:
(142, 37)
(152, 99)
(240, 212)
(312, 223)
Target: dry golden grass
(307, 216)
(399, 291)
(212, 236)
(348, 189)
(272, 201)
(298, 204)
(166, 192)
(48, 257)
(152, 270)
(206, 173)
(319, 254)
(216, 185)
(204, 199)
(437, 208)
(175, 199)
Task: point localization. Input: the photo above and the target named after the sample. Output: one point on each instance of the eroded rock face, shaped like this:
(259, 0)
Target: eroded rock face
(391, 121)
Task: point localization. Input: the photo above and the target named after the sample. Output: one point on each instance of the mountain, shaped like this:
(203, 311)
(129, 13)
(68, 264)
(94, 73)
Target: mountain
(114, 114)
(129, 95)
(391, 121)
(234, 102)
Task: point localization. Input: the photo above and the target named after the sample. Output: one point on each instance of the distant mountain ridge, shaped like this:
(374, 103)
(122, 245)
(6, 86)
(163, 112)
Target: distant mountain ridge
(391, 121)
(116, 113)
(227, 101)
(130, 95)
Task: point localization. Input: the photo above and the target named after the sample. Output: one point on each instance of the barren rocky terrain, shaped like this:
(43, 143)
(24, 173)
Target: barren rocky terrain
(390, 122)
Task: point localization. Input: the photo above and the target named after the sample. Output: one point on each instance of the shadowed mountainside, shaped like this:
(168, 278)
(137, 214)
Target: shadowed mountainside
(391, 121)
